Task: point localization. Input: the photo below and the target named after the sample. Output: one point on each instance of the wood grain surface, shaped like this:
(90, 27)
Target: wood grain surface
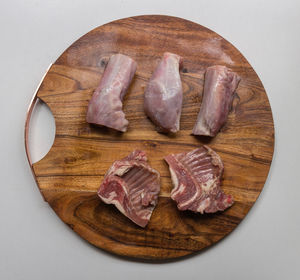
(70, 174)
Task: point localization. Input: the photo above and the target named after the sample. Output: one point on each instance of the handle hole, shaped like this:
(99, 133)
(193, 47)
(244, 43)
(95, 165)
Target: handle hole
(41, 131)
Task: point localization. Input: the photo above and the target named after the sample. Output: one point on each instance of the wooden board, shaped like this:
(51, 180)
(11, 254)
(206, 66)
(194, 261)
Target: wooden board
(70, 174)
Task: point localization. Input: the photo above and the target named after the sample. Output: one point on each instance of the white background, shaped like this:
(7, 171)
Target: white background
(35, 244)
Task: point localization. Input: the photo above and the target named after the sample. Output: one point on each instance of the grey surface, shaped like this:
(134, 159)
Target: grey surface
(35, 244)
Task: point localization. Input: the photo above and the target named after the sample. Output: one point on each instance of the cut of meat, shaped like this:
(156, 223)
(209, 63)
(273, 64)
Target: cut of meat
(219, 87)
(132, 186)
(163, 95)
(105, 106)
(196, 176)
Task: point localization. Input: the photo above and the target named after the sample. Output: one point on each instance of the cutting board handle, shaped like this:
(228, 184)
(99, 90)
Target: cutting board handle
(27, 122)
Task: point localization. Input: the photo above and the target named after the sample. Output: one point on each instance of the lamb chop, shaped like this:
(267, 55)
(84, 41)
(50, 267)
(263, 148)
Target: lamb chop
(132, 186)
(196, 176)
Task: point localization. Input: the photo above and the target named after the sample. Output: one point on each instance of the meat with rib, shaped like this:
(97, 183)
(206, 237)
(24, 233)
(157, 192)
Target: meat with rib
(163, 95)
(219, 87)
(196, 176)
(105, 106)
(132, 186)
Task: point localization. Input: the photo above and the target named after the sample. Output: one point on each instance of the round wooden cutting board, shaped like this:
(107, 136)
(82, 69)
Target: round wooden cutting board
(70, 174)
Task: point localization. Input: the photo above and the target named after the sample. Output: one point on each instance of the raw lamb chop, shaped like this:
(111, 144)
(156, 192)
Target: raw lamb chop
(132, 186)
(163, 95)
(196, 177)
(219, 87)
(105, 106)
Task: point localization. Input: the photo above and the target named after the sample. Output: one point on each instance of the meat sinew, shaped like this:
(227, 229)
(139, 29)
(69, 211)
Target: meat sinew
(219, 87)
(163, 95)
(132, 186)
(105, 106)
(196, 176)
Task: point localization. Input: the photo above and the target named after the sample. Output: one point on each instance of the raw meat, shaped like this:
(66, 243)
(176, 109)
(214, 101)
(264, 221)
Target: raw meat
(132, 186)
(219, 87)
(105, 106)
(196, 177)
(163, 95)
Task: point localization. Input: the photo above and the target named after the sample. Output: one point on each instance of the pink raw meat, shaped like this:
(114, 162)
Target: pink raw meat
(163, 95)
(105, 106)
(219, 87)
(196, 176)
(132, 186)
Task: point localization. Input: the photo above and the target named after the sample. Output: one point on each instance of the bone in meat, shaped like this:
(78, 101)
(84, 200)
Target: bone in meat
(132, 186)
(196, 176)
